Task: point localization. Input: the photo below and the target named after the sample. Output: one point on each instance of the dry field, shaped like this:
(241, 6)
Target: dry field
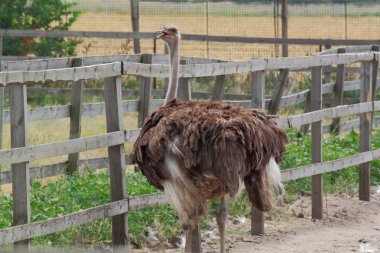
(361, 27)
(48, 131)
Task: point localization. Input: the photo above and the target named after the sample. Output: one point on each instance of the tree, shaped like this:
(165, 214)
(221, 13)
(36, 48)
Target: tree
(37, 14)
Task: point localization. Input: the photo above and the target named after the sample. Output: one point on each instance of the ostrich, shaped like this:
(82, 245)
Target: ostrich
(201, 150)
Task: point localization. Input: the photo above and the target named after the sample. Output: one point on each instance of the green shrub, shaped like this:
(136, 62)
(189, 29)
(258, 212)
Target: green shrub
(38, 15)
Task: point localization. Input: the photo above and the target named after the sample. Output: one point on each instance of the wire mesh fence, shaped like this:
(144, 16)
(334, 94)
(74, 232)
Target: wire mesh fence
(327, 19)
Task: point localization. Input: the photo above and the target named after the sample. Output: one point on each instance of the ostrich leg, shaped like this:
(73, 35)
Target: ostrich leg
(193, 240)
(221, 220)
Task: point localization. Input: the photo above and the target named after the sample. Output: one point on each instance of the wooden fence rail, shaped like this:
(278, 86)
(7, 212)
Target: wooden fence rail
(18, 76)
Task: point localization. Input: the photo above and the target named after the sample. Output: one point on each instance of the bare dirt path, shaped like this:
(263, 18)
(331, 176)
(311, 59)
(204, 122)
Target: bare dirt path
(350, 225)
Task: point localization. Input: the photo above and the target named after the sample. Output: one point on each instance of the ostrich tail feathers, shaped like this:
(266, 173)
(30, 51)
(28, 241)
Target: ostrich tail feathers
(274, 178)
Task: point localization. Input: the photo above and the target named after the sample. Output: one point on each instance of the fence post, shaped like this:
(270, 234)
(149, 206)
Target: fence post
(145, 91)
(1, 110)
(305, 128)
(135, 16)
(375, 66)
(327, 72)
(184, 88)
(219, 88)
(116, 155)
(316, 140)
(20, 171)
(75, 117)
(365, 130)
(258, 101)
(338, 92)
(278, 91)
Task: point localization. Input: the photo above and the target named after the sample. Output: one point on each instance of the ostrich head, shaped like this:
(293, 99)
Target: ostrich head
(170, 35)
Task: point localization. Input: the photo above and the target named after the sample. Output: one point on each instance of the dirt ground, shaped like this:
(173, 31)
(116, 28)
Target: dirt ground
(349, 225)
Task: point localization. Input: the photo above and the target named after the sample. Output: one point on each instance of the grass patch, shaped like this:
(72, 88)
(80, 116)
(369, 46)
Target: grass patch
(84, 190)
(89, 189)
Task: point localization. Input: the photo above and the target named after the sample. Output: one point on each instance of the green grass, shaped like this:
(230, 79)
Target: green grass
(89, 189)
(85, 190)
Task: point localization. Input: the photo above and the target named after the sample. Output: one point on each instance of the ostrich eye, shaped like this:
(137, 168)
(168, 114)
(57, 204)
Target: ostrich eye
(173, 30)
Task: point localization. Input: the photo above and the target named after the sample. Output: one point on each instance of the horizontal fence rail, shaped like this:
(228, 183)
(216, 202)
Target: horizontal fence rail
(191, 37)
(187, 71)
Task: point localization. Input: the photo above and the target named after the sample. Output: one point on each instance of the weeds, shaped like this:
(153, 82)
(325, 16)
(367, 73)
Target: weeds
(89, 189)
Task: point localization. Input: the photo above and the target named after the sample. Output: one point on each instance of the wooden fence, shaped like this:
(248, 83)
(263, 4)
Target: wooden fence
(16, 76)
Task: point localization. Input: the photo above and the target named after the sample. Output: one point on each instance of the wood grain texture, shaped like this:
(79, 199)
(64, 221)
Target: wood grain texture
(116, 156)
(227, 68)
(365, 130)
(145, 92)
(20, 171)
(64, 74)
(30, 153)
(316, 140)
(338, 91)
(75, 117)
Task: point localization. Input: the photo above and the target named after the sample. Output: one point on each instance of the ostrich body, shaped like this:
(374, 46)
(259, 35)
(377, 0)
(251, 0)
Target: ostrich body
(201, 150)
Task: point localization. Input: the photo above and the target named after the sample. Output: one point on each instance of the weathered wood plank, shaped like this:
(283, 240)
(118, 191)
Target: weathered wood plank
(54, 225)
(135, 18)
(75, 117)
(20, 171)
(184, 87)
(66, 74)
(30, 153)
(145, 201)
(311, 117)
(365, 130)
(59, 168)
(375, 66)
(145, 92)
(278, 91)
(316, 139)
(338, 91)
(321, 168)
(1, 118)
(349, 49)
(257, 101)
(63, 111)
(219, 88)
(116, 155)
(64, 62)
(258, 89)
(227, 68)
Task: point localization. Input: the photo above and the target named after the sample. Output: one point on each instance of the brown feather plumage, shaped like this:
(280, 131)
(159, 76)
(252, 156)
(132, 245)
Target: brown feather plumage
(219, 145)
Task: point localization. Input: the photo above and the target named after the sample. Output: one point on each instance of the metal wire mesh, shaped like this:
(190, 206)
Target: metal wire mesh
(358, 19)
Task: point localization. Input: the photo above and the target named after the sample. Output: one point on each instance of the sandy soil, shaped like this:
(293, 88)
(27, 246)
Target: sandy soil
(349, 225)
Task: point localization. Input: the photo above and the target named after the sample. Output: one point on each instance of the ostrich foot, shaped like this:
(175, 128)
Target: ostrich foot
(193, 240)
(221, 220)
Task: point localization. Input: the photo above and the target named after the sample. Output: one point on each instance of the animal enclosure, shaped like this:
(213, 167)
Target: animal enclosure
(16, 76)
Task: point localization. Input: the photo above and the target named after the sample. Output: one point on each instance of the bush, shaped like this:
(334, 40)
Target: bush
(37, 14)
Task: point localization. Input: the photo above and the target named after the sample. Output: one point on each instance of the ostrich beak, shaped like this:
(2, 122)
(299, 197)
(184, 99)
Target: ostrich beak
(161, 33)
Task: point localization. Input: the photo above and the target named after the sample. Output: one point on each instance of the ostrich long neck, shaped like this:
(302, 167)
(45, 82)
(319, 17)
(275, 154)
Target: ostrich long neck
(174, 64)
